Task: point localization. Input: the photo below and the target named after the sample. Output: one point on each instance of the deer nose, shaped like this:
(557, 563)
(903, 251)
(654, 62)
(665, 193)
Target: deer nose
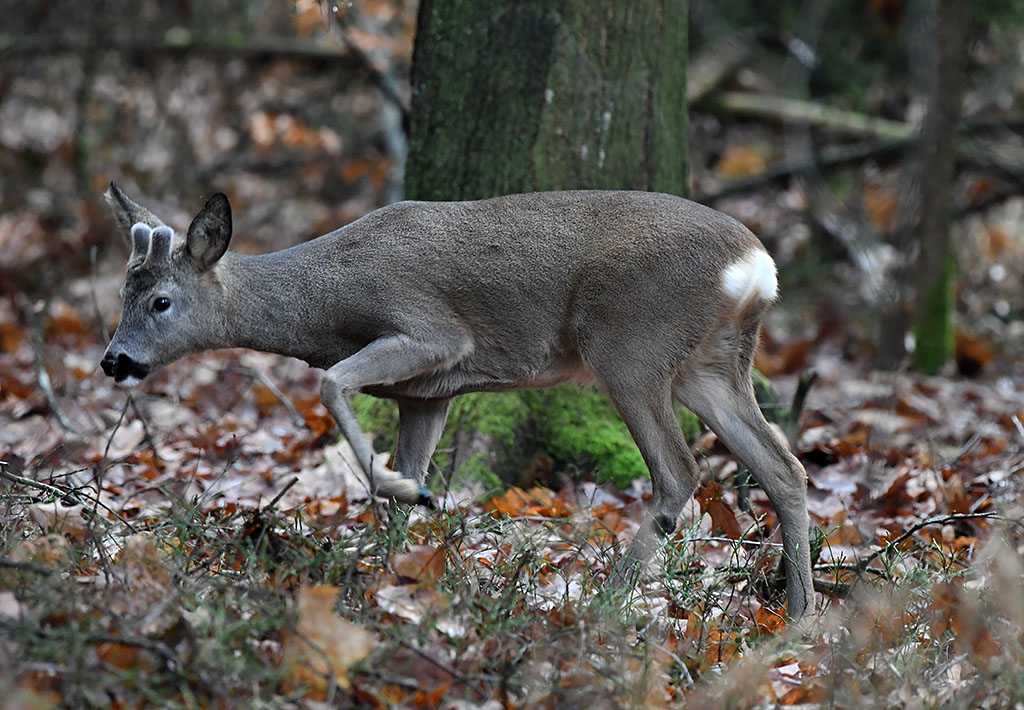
(121, 367)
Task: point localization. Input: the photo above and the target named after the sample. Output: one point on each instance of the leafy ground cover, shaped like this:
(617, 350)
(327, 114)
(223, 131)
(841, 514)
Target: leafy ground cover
(205, 542)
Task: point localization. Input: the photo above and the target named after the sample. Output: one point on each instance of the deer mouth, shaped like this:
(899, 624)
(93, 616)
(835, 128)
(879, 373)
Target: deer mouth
(123, 369)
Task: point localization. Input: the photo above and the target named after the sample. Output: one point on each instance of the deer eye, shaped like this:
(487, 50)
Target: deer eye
(161, 304)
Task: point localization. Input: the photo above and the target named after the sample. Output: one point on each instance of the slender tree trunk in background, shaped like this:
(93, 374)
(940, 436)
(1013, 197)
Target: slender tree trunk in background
(923, 300)
(520, 95)
(935, 271)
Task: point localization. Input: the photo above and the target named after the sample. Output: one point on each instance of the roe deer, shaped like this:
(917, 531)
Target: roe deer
(650, 295)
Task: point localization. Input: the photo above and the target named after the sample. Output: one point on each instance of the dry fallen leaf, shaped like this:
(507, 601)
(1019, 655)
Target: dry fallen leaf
(722, 517)
(322, 646)
(422, 563)
(10, 608)
(413, 604)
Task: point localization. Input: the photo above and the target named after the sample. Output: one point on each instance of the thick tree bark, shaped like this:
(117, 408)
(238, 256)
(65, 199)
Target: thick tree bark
(519, 95)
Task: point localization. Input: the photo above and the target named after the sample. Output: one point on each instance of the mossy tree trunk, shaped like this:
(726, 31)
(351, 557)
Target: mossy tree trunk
(519, 95)
(522, 95)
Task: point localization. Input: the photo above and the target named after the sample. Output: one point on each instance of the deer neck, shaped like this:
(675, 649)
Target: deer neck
(266, 305)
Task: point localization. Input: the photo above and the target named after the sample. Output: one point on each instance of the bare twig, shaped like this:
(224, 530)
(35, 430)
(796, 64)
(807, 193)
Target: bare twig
(147, 436)
(835, 589)
(1019, 426)
(940, 520)
(848, 567)
(177, 40)
(792, 424)
(808, 112)
(255, 374)
(382, 80)
(25, 567)
(271, 504)
(39, 485)
(42, 376)
(714, 64)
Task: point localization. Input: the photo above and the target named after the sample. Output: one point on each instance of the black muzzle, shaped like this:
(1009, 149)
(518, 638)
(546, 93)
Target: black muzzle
(122, 367)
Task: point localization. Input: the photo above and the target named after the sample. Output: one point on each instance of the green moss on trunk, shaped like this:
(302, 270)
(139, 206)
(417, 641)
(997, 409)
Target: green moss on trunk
(514, 96)
(933, 329)
(577, 426)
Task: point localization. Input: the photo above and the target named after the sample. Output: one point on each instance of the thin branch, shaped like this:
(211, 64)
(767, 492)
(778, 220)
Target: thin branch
(969, 153)
(25, 567)
(39, 485)
(828, 158)
(382, 80)
(914, 529)
(177, 41)
(255, 374)
(42, 376)
(713, 64)
(277, 498)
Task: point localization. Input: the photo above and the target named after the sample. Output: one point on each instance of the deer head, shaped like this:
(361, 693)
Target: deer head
(172, 298)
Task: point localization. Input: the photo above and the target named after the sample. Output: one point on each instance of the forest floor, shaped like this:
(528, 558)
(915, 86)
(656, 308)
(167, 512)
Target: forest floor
(203, 541)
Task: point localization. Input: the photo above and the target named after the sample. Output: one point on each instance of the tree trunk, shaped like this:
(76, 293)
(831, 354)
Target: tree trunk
(922, 300)
(935, 271)
(522, 95)
(513, 96)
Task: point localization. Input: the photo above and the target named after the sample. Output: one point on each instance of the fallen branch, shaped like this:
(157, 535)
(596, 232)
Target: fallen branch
(828, 158)
(784, 109)
(25, 567)
(914, 529)
(177, 40)
(57, 493)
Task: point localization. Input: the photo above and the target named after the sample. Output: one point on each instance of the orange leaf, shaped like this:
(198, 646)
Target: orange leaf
(118, 655)
(423, 563)
(514, 503)
(769, 620)
(881, 206)
(722, 517)
(738, 162)
(813, 693)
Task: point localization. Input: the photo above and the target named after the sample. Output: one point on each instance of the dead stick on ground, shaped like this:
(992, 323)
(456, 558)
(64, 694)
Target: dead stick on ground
(39, 485)
(943, 519)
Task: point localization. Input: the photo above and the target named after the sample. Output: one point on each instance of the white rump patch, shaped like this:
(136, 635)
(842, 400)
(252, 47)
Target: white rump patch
(752, 277)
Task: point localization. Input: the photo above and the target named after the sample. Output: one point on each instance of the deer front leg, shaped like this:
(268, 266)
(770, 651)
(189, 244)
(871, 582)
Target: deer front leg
(420, 424)
(385, 361)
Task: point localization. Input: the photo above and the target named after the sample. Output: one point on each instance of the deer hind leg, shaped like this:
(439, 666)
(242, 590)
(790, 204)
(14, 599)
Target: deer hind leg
(647, 412)
(723, 398)
(420, 423)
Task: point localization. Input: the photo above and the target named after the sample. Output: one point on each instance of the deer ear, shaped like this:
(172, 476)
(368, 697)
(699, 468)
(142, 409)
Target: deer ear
(128, 213)
(210, 232)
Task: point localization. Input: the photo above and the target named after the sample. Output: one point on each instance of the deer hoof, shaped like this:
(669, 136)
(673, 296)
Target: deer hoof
(425, 499)
(666, 524)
